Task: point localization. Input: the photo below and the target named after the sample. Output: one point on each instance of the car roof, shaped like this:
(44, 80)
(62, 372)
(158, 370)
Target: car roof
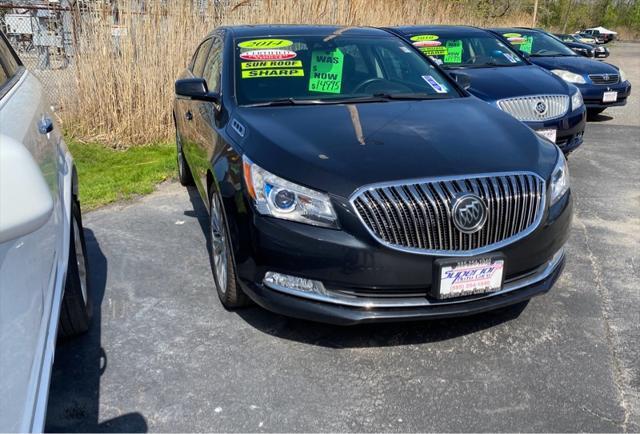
(265, 30)
(441, 29)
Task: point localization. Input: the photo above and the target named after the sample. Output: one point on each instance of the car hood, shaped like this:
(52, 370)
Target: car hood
(491, 84)
(577, 64)
(338, 148)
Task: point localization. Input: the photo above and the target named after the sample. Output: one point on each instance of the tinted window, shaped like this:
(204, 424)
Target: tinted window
(201, 58)
(323, 68)
(8, 63)
(459, 50)
(537, 44)
(213, 65)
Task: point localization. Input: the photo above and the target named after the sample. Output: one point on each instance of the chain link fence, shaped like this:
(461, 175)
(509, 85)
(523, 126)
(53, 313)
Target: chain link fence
(42, 35)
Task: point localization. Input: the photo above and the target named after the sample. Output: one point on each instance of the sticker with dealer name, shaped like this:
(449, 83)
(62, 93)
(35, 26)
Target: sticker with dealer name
(266, 43)
(510, 57)
(268, 55)
(265, 64)
(438, 87)
(270, 73)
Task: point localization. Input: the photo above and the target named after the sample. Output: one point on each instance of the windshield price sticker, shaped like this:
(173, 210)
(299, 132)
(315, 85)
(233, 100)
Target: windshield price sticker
(267, 73)
(266, 43)
(439, 88)
(454, 52)
(272, 64)
(326, 71)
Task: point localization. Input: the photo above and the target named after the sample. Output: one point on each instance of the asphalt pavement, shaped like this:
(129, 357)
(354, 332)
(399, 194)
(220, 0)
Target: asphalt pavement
(163, 355)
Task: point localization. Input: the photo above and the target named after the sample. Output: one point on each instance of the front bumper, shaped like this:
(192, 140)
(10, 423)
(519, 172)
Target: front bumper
(368, 282)
(570, 129)
(593, 93)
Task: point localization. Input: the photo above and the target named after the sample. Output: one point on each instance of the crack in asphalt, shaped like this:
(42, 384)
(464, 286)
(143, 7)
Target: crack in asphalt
(617, 369)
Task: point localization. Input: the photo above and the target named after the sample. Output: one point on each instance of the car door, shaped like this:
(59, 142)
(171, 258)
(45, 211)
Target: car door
(188, 118)
(30, 254)
(206, 119)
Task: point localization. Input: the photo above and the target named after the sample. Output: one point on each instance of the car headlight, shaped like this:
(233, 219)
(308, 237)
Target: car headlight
(569, 76)
(559, 179)
(576, 100)
(623, 76)
(283, 199)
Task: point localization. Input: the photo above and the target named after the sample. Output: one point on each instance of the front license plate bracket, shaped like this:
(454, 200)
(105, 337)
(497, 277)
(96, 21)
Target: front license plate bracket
(462, 277)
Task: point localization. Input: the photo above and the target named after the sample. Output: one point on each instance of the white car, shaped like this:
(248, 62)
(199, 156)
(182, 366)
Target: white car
(43, 268)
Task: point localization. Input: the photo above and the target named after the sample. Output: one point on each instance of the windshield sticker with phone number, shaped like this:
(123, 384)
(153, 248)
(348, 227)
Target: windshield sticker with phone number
(326, 71)
(438, 87)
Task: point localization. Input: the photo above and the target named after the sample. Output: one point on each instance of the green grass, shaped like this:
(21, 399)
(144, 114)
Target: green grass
(107, 175)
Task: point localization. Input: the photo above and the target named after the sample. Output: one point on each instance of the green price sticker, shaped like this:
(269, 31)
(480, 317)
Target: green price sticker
(527, 45)
(454, 52)
(326, 71)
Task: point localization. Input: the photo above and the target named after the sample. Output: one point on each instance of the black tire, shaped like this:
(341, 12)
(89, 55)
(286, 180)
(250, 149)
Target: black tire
(227, 287)
(184, 172)
(75, 311)
(593, 112)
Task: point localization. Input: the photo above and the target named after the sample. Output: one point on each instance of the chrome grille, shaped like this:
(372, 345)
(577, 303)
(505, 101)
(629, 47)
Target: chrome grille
(416, 215)
(526, 108)
(604, 78)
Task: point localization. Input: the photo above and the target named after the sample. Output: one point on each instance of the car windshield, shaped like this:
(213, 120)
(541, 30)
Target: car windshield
(537, 44)
(333, 68)
(465, 51)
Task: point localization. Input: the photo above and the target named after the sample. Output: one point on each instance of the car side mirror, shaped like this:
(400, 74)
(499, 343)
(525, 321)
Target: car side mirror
(196, 89)
(26, 203)
(463, 80)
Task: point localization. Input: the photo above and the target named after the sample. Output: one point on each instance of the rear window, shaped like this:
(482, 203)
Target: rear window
(331, 67)
(450, 50)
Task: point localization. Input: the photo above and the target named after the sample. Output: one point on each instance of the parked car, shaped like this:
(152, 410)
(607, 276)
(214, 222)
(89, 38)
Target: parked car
(600, 34)
(585, 39)
(602, 85)
(499, 75)
(591, 35)
(350, 180)
(586, 50)
(43, 266)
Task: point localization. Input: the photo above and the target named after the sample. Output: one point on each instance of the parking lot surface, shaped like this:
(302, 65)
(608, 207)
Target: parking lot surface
(163, 355)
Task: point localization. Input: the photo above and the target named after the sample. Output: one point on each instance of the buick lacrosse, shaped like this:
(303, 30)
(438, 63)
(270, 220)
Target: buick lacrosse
(348, 179)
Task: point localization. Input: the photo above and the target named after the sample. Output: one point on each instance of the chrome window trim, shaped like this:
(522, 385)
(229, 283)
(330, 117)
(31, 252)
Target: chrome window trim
(337, 298)
(462, 253)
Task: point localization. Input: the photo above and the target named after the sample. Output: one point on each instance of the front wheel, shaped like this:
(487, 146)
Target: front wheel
(75, 311)
(221, 258)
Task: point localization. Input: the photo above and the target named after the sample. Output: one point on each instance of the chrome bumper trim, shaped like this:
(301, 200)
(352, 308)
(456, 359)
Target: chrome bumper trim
(334, 297)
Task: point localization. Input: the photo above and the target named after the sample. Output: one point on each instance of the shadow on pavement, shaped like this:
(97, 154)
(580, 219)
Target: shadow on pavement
(599, 118)
(366, 335)
(74, 395)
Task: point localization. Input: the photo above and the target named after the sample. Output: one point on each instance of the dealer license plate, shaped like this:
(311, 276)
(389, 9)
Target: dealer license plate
(458, 278)
(610, 97)
(549, 134)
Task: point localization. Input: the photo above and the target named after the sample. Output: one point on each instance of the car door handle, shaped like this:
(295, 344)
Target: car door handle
(45, 126)
(188, 115)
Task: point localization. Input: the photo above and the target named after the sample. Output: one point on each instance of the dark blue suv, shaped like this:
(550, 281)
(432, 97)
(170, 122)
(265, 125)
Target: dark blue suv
(495, 72)
(602, 84)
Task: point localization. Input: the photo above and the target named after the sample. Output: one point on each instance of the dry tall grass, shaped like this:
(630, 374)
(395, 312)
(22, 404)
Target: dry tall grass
(124, 86)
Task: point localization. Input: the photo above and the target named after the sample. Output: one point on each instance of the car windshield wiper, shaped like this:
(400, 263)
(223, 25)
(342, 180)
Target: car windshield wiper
(410, 96)
(285, 101)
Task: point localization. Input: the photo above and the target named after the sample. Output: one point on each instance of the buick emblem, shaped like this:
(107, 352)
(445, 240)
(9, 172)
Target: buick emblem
(469, 213)
(541, 107)
(605, 77)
